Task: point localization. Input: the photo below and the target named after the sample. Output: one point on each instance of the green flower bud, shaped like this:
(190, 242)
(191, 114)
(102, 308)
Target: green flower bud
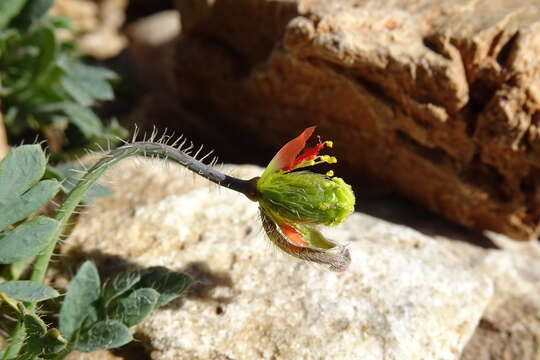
(306, 197)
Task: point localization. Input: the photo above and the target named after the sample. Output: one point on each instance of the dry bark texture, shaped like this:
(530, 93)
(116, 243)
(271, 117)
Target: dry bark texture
(439, 100)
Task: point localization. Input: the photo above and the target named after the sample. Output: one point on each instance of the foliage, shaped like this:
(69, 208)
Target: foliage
(94, 317)
(91, 316)
(45, 87)
(21, 194)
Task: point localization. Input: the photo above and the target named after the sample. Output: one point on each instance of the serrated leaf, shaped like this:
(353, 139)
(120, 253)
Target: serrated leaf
(168, 284)
(27, 239)
(25, 290)
(119, 285)
(20, 169)
(8, 10)
(133, 308)
(16, 208)
(33, 11)
(82, 292)
(104, 335)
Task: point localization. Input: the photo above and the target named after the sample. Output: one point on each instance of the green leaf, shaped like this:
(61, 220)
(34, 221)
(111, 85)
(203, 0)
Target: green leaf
(27, 239)
(30, 291)
(17, 269)
(86, 84)
(32, 12)
(20, 169)
(104, 335)
(133, 308)
(53, 342)
(82, 292)
(45, 39)
(119, 285)
(28, 356)
(83, 118)
(168, 284)
(34, 326)
(16, 208)
(8, 10)
(39, 340)
(10, 302)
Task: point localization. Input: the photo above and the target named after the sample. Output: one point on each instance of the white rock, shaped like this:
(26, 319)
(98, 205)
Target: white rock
(405, 296)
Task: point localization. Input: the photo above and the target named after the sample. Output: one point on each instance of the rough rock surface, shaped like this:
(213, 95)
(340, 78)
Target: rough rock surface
(405, 296)
(97, 24)
(510, 327)
(438, 99)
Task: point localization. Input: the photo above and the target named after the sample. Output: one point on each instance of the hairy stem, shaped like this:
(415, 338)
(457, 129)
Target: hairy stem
(137, 148)
(15, 342)
(75, 196)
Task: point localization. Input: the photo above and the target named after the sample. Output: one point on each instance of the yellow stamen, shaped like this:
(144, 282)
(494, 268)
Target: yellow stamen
(328, 159)
(330, 173)
(306, 164)
(329, 144)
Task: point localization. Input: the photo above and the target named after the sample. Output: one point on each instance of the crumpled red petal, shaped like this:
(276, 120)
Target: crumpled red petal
(292, 234)
(337, 258)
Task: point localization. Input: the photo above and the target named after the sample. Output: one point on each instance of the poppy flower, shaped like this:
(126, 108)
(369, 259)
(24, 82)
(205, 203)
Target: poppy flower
(294, 201)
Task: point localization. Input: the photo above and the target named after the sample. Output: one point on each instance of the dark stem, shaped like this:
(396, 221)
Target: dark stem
(246, 187)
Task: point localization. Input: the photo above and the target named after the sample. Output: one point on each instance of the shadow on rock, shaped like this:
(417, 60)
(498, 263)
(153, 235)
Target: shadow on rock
(206, 280)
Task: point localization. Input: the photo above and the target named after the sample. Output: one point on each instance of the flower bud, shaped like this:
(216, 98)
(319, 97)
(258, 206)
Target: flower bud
(305, 197)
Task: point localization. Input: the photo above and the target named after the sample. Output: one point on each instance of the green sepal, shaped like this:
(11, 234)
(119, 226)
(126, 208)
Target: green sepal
(305, 197)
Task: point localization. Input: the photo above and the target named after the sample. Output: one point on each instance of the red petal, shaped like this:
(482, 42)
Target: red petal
(307, 155)
(292, 234)
(286, 156)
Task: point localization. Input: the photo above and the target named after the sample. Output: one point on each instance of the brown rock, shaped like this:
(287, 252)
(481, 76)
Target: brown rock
(438, 100)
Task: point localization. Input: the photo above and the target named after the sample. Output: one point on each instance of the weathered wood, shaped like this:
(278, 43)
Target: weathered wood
(439, 100)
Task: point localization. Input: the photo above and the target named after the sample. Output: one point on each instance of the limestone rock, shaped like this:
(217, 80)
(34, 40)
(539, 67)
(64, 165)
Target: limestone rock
(438, 100)
(405, 296)
(510, 327)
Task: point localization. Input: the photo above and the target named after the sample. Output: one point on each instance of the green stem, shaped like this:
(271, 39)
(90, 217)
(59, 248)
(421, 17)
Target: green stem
(16, 341)
(77, 193)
